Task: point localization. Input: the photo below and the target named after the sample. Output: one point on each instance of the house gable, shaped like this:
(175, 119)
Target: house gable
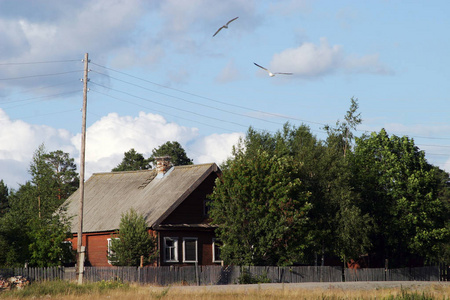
(192, 209)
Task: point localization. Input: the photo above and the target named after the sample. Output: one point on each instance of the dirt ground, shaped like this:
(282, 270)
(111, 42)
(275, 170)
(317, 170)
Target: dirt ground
(359, 285)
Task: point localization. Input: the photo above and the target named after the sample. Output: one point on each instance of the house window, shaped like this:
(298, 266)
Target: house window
(170, 249)
(110, 252)
(190, 250)
(216, 244)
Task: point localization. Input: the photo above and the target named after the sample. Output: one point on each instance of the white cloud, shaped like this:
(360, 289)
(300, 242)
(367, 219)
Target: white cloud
(111, 136)
(310, 60)
(97, 27)
(106, 142)
(18, 142)
(214, 148)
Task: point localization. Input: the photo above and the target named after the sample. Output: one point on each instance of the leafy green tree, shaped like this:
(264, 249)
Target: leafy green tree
(175, 151)
(260, 207)
(54, 178)
(14, 226)
(33, 218)
(133, 161)
(345, 129)
(4, 192)
(132, 241)
(337, 225)
(48, 237)
(63, 173)
(400, 191)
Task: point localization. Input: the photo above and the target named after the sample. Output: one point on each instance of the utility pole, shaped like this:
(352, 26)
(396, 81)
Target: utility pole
(80, 247)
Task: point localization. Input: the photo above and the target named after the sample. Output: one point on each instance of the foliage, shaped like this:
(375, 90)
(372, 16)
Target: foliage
(344, 129)
(132, 241)
(346, 233)
(48, 246)
(54, 179)
(133, 161)
(400, 191)
(175, 151)
(4, 192)
(246, 277)
(34, 226)
(63, 173)
(260, 207)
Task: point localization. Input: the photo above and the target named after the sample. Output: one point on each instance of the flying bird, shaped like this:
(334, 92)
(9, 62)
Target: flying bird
(270, 73)
(224, 26)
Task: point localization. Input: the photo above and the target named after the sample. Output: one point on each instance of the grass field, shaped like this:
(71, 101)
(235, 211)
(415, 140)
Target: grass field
(117, 290)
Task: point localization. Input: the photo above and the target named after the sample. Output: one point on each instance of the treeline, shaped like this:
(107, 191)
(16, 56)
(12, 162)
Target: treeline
(283, 198)
(289, 198)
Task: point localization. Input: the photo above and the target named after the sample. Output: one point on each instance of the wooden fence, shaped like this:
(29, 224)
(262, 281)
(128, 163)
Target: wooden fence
(403, 274)
(214, 275)
(35, 274)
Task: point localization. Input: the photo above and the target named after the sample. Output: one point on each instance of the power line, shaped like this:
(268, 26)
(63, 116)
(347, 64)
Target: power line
(48, 114)
(38, 62)
(169, 106)
(192, 102)
(155, 110)
(209, 99)
(46, 96)
(40, 75)
(147, 134)
(38, 97)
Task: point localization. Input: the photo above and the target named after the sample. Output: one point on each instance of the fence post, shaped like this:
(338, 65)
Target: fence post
(386, 265)
(196, 274)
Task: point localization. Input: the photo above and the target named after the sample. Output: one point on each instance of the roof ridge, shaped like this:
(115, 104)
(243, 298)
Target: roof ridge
(194, 165)
(121, 172)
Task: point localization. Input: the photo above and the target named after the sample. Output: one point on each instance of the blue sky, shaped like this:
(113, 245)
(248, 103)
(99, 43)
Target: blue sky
(157, 74)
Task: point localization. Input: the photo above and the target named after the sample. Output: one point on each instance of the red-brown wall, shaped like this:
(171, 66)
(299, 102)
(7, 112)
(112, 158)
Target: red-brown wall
(97, 246)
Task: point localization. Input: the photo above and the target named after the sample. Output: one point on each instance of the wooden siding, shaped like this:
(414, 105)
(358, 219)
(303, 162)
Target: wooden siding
(191, 210)
(204, 246)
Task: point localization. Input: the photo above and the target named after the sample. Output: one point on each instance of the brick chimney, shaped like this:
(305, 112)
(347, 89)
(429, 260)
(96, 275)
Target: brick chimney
(163, 164)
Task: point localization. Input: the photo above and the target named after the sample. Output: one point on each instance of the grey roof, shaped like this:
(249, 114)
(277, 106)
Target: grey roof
(108, 195)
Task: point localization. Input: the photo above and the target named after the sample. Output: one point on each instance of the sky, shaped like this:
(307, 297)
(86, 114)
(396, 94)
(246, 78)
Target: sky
(157, 74)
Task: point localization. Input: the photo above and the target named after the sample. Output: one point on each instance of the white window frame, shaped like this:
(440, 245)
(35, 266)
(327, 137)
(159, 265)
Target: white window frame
(175, 247)
(214, 251)
(109, 248)
(184, 249)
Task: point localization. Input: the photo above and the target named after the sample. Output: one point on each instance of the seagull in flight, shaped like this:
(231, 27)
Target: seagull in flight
(270, 73)
(224, 26)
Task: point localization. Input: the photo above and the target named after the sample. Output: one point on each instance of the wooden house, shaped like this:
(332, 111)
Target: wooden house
(172, 201)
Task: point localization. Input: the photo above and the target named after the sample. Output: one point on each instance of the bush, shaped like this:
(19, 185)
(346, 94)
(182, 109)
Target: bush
(247, 278)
